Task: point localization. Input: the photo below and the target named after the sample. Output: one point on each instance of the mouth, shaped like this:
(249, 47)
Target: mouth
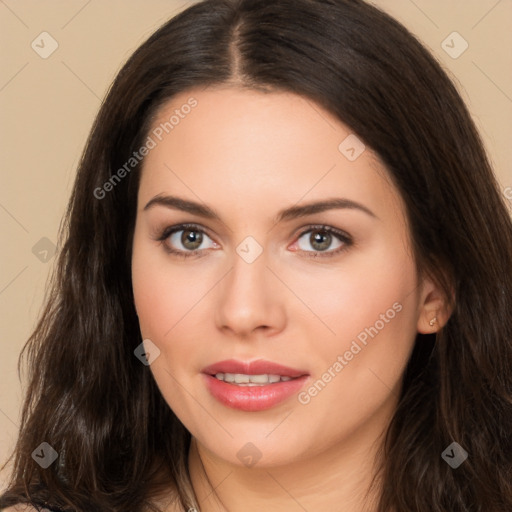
(253, 386)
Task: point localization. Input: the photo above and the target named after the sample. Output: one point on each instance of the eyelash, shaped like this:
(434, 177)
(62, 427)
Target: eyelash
(343, 237)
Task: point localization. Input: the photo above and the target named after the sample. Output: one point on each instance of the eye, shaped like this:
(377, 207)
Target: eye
(321, 238)
(189, 236)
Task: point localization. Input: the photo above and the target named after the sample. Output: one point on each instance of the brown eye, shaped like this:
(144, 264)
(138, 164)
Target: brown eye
(191, 239)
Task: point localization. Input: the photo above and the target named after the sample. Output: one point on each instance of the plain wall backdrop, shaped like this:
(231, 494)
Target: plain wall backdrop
(58, 60)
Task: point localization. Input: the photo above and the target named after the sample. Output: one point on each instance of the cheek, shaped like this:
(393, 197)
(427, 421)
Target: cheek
(368, 289)
(165, 296)
(163, 293)
(372, 310)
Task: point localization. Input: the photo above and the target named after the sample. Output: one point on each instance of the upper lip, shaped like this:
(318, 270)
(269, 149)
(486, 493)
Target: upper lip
(259, 367)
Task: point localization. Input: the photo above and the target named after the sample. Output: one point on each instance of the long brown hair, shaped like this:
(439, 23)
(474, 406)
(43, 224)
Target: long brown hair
(99, 408)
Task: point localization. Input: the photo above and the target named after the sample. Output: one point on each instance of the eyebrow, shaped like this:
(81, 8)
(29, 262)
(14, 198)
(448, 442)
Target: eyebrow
(294, 212)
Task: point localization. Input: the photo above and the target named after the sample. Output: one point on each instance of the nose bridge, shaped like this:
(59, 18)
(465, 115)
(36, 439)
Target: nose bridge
(248, 282)
(249, 298)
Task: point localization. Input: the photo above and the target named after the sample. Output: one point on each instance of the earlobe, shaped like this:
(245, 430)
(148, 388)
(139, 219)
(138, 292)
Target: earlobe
(431, 326)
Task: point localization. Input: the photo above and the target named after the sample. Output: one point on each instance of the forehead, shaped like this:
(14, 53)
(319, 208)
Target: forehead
(232, 116)
(248, 144)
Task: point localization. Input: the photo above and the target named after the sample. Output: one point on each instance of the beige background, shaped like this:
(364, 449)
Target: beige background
(47, 107)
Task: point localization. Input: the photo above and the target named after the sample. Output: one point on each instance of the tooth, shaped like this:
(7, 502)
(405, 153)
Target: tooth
(259, 379)
(251, 380)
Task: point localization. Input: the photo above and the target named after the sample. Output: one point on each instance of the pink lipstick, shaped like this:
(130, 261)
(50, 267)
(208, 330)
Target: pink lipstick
(252, 386)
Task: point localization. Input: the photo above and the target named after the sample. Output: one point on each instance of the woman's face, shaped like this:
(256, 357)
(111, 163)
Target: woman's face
(329, 292)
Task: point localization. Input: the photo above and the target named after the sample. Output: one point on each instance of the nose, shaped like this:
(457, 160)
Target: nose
(250, 299)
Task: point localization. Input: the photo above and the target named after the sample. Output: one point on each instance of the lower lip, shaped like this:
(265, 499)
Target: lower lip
(253, 398)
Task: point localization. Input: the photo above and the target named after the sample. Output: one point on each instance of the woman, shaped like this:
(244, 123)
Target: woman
(285, 282)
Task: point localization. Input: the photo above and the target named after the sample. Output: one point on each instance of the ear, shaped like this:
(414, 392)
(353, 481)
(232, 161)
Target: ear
(435, 307)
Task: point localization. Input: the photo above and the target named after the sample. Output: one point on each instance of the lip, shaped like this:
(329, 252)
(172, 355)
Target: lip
(256, 398)
(258, 367)
(253, 398)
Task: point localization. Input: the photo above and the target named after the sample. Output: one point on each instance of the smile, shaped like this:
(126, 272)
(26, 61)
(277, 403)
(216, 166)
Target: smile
(254, 385)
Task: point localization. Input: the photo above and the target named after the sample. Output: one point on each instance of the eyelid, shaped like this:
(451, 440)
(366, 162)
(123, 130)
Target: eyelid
(326, 228)
(166, 232)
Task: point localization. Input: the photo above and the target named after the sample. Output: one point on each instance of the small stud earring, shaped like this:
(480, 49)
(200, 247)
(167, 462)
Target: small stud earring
(433, 321)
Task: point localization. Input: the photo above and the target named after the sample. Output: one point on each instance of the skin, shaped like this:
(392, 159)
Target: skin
(247, 155)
